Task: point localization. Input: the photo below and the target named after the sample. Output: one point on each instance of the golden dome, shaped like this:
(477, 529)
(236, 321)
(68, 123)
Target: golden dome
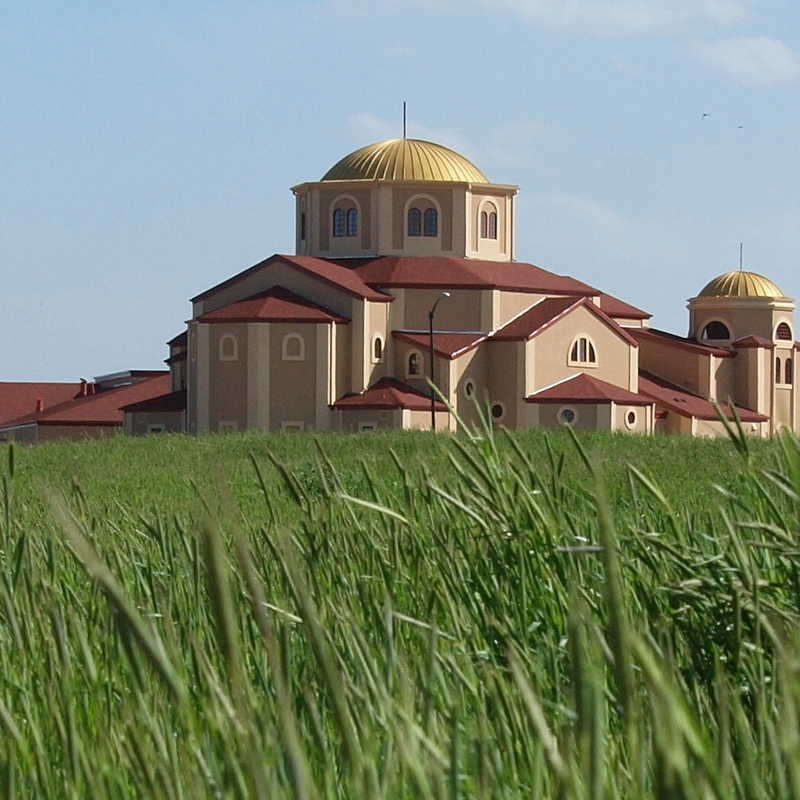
(405, 160)
(741, 283)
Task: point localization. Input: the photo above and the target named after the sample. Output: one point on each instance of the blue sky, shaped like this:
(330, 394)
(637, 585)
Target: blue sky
(147, 149)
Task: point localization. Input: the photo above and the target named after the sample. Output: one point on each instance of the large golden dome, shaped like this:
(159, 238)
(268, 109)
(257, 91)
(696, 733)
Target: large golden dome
(741, 283)
(405, 160)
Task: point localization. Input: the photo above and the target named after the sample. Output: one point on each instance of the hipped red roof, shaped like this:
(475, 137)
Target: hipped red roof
(388, 393)
(545, 313)
(103, 408)
(583, 388)
(329, 272)
(19, 399)
(445, 344)
(754, 341)
(680, 342)
(686, 404)
(275, 305)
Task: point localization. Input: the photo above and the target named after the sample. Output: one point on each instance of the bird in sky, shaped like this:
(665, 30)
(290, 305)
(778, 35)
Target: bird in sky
(705, 115)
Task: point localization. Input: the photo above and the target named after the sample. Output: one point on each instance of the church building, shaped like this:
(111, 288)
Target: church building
(405, 236)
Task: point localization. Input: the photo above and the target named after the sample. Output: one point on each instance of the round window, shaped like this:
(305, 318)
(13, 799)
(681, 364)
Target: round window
(567, 416)
(469, 388)
(630, 419)
(498, 411)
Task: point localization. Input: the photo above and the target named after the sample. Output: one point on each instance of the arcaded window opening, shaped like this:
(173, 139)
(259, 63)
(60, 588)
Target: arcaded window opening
(414, 364)
(431, 222)
(414, 222)
(484, 225)
(788, 372)
(492, 225)
(352, 222)
(338, 223)
(228, 347)
(716, 330)
(293, 347)
(377, 350)
(583, 353)
(783, 333)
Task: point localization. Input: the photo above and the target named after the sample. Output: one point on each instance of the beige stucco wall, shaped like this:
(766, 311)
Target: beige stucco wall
(421, 420)
(615, 356)
(505, 362)
(136, 423)
(293, 384)
(743, 316)
(644, 417)
(511, 304)
(227, 397)
(472, 366)
(385, 419)
(376, 324)
(681, 367)
(49, 433)
(422, 196)
(545, 415)
(345, 197)
(490, 199)
(27, 434)
(462, 311)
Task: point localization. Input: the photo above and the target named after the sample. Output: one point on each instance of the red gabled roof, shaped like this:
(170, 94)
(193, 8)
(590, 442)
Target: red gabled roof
(19, 399)
(342, 278)
(275, 305)
(103, 408)
(174, 401)
(467, 273)
(617, 308)
(753, 341)
(583, 388)
(686, 404)
(388, 393)
(448, 344)
(681, 342)
(547, 312)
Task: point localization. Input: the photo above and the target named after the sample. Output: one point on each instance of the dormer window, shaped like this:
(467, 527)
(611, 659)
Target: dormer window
(717, 331)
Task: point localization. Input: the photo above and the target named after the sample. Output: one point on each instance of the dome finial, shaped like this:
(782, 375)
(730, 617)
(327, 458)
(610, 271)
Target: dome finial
(741, 262)
(404, 119)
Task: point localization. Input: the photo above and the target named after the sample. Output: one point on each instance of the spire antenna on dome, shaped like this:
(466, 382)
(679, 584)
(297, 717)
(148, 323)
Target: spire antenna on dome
(741, 262)
(404, 119)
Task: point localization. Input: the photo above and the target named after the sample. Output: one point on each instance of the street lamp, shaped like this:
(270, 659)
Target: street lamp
(430, 347)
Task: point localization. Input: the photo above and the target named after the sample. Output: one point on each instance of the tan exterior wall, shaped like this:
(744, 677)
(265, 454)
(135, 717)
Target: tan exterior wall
(344, 198)
(49, 433)
(681, 367)
(512, 304)
(384, 419)
(545, 415)
(138, 423)
(459, 312)
(421, 420)
(614, 356)
(505, 387)
(723, 378)
(743, 316)
(293, 384)
(493, 249)
(228, 379)
(28, 434)
(422, 197)
(643, 423)
(376, 325)
(471, 367)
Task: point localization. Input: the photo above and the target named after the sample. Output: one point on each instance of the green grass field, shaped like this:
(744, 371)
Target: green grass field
(400, 616)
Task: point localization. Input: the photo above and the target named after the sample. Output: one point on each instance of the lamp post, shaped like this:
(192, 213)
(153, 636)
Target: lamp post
(431, 356)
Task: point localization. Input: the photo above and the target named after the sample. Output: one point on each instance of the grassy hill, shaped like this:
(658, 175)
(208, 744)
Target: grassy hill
(400, 615)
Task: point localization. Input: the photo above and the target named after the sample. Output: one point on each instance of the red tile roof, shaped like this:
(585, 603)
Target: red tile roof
(583, 388)
(616, 308)
(676, 399)
(174, 401)
(329, 272)
(754, 341)
(547, 312)
(102, 408)
(18, 399)
(388, 393)
(439, 272)
(681, 342)
(448, 344)
(275, 305)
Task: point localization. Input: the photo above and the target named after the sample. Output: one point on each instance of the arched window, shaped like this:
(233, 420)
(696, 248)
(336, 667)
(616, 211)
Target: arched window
(716, 330)
(431, 227)
(293, 347)
(352, 222)
(228, 347)
(582, 352)
(777, 370)
(484, 224)
(788, 372)
(492, 226)
(377, 349)
(414, 364)
(414, 222)
(783, 332)
(338, 222)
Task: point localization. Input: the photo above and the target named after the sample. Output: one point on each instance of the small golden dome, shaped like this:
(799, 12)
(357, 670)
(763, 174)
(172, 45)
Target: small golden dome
(741, 283)
(405, 160)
